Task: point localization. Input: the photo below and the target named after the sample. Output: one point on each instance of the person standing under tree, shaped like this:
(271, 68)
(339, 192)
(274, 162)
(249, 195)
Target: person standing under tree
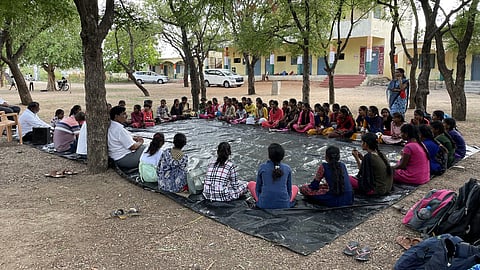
(397, 92)
(30, 85)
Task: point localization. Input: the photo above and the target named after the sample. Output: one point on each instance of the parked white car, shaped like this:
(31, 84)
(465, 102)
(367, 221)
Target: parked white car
(222, 77)
(149, 76)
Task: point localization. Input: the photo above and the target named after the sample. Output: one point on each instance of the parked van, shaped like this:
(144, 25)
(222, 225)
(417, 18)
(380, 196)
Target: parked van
(222, 77)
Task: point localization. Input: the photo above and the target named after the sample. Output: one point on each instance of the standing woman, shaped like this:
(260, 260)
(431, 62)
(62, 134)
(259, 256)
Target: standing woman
(375, 174)
(397, 92)
(221, 182)
(331, 185)
(273, 188)
(414, 165)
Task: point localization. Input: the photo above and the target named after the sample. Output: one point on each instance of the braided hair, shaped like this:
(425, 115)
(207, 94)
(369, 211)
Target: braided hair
(223, 152)
(371, 140)
(276, 153)
(333, 156)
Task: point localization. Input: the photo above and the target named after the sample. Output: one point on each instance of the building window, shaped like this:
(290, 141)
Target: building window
(293, 60)
(378, 12)
(431, 58)
(341, 56)
(237, 60)
(281, 58)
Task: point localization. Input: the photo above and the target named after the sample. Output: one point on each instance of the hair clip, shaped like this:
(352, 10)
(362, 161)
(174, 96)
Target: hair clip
(277, 167)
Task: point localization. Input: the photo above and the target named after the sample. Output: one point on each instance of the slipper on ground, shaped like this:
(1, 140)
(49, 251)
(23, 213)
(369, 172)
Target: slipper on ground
(351, 248)
(407, 242)
(69, 172)
(363, 254)
(55, 174)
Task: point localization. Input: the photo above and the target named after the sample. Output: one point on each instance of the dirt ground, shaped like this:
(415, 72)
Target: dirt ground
(62, 223)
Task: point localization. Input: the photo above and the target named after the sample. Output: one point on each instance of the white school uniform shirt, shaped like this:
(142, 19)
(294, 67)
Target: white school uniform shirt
(28, 120)
(119, 141)
(82, 140)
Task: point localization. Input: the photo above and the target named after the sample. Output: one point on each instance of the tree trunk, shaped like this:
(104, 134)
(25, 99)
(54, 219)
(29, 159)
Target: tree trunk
(413, 83)
(93, 33)
(51, 82)
(201, 80)
(306, 73)
(185, 74)
(250, 72)
(2, 75)
(195, 88)
(423, 78)
(22, 87)
(331, 86)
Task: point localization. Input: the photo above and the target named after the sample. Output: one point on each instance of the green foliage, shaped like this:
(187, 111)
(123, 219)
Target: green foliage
(133, 40)
(24, 20)
(457, 30)
(250, 24)
(59, 45)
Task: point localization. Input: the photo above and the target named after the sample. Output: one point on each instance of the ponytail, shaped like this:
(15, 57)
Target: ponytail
(276, 154)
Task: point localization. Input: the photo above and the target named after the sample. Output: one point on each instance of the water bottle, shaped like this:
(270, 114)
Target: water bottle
(425, 213)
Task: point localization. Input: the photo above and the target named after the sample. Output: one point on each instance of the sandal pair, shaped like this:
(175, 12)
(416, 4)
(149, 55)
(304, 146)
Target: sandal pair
(60, 174)
(360, 254)
(407, 242)
(122, 214)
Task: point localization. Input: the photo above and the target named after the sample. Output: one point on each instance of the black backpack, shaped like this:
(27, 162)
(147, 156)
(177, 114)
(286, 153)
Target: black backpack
(439, 252)
(464, 218)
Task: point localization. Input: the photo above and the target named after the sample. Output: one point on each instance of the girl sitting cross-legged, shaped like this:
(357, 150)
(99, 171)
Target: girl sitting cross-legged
(306, 119)
(273, 188)
(331, 185)
(375, 174)
(274, 116)
(414, 165)
(221, 182)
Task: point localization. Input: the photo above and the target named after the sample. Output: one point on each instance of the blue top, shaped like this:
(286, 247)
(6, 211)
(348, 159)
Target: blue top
(330, 199)
(274, 194)
(461, 149)
(433, 149)
(375, 124)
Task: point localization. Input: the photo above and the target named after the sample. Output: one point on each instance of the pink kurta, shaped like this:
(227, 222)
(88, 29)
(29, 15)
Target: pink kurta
(417, 171)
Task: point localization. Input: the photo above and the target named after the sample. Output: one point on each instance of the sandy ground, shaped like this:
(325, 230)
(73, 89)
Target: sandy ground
(62, 223)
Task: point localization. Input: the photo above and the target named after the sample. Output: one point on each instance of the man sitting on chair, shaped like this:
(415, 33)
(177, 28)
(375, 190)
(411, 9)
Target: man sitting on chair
(29, 119)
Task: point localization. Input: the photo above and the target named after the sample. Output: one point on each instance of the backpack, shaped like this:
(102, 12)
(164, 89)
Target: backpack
(439, 252)
(148, 172)
(440, 202)
(464, 219)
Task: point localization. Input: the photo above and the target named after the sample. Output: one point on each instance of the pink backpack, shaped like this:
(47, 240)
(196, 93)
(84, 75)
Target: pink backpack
(439, 204)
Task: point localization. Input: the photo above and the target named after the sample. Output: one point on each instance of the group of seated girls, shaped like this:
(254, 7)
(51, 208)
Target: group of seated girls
(142, 118)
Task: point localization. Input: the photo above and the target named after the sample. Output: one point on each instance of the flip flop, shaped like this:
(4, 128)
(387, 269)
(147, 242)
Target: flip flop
(133, 212)
(351, 248)
(363, 254)
(120, 213)
(69, 172)
(400, 208)
(407, 242)
(55, 174)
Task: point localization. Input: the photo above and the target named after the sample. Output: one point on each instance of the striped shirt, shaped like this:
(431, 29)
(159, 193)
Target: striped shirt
(222, 183)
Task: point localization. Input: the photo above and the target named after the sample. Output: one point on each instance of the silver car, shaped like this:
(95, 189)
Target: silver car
(149, 76)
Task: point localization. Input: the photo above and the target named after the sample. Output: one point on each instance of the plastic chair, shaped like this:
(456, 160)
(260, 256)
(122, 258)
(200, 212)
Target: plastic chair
(7, 125)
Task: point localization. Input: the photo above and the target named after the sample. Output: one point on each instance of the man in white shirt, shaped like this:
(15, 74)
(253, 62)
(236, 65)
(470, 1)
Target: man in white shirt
(29, 119)
(124, 149)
